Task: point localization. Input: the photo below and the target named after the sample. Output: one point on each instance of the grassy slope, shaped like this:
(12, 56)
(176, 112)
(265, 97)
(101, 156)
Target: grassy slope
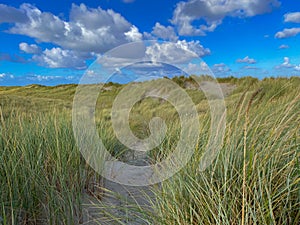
(42, 175)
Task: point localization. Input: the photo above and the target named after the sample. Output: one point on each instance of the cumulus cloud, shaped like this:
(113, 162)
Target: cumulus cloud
(91, 32)
(32, 49)
(246, 60)
(163, 32)
(297, 67)
(292, 17)
(133, 34)
(12, 15)
(60, 58)
(283, 46)
(288, 32)
(88, 29)
(288, 65)
(286, 62)
(154, 52)
(214, 11)
(177, 52)
(197, 69)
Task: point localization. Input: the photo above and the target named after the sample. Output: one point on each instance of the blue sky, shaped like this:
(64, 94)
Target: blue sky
(53, 42)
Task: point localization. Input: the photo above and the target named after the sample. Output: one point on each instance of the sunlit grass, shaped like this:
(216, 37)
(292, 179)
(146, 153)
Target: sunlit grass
(255, 176)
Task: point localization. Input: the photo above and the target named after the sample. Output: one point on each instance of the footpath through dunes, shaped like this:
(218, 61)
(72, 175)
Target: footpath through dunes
(122, 204)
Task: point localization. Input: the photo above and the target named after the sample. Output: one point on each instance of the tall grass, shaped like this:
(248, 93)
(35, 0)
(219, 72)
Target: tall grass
(256, 177)
(254, 180)
(40, 170)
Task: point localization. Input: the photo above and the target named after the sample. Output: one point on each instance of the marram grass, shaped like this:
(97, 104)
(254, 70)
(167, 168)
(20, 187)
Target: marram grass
(254, 180)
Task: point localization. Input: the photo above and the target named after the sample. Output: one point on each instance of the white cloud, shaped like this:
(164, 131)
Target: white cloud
(133, 34)
(286, 33)
(88, 29)
(6, 76)
(214, 11)
(10, 79)
(246, 60)
(286, 62)
(91, 32)
(197, 69)
(156, 52)
(290, 32)
(297, 67)
(59, 58)
(43, 77)
(32, 49)
(47, 79)
(288, 65)
(177, 52)
(163, 32)
(283, 46)
(292, 17)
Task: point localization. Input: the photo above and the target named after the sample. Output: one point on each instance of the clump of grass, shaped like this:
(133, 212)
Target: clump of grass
(41, 171)
(255, 179)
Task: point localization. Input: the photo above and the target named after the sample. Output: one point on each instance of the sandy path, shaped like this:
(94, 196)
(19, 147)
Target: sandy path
(120, 204)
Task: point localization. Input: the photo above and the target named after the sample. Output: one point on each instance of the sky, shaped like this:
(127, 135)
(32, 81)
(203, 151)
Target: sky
(55, 42)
